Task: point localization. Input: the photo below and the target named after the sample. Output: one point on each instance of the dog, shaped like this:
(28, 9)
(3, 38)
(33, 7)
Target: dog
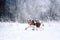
(34, 24)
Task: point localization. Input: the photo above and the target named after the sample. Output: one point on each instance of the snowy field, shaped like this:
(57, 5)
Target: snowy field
(16, 31)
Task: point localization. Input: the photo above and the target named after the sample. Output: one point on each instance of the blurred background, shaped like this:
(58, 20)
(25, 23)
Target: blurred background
(22, 10)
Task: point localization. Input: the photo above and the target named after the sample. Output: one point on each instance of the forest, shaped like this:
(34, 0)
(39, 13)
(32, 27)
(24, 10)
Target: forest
(22, 10)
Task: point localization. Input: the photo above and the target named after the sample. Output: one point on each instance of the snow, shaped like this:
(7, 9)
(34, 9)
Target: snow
(16, 31)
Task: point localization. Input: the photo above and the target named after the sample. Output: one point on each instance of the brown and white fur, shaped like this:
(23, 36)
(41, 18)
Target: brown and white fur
(35, 25)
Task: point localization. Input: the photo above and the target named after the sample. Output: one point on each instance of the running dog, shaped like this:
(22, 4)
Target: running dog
(33, 23)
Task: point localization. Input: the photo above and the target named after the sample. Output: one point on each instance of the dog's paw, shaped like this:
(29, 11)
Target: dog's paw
(25, 28)
(33, 29)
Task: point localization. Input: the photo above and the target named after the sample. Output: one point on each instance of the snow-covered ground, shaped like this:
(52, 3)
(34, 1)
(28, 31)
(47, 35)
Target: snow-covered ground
(16, 31)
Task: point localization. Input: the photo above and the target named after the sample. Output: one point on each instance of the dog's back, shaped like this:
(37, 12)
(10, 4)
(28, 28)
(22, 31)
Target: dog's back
(38, 24)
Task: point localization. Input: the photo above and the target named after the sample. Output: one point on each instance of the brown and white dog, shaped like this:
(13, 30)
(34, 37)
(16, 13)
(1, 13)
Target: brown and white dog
(34, 24)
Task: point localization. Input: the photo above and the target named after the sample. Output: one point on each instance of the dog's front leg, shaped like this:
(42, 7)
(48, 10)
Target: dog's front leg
(33, 27)
(27, 27)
